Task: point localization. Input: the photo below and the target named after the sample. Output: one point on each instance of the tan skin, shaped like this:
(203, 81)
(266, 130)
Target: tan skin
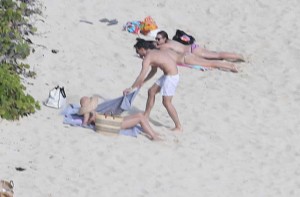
(152, 60)
(200, 56)
(128, 121)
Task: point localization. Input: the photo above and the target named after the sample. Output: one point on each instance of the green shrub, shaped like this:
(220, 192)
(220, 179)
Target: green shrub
(14, 103)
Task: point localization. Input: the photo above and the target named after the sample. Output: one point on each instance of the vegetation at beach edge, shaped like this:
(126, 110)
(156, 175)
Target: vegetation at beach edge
(14, 46)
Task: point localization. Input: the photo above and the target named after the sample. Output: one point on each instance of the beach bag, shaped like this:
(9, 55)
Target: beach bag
(148, 25)
(56, 98)
(108, 124)
(6, 188)
(184, 38)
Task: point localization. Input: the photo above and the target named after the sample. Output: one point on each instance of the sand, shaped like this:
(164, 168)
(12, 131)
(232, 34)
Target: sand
(241, 130)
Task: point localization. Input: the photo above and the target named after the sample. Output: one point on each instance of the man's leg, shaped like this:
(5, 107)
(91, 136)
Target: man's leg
(167, 102)
(151, 99)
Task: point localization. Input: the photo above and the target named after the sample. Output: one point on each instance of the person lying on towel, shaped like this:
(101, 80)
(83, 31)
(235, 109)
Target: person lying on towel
(163, 41)
(88, 107)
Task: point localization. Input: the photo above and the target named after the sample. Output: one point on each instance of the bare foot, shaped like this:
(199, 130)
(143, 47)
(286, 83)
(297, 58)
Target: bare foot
(177, 129)
(156, 138)
(236, 60)
(240, 58)
(156, 133)
(234, 69)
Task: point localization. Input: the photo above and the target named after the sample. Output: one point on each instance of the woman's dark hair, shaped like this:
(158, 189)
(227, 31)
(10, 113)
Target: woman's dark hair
(146, 44)
(163, 34)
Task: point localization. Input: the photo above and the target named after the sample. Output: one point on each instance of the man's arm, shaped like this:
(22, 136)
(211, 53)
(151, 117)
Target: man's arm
(141, 77)
(151, 74)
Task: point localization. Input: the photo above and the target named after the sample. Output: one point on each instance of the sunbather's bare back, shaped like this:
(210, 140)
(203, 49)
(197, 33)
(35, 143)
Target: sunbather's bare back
(175, 46)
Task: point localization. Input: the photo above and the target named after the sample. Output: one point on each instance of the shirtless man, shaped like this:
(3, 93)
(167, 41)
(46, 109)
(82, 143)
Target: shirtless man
(208, 57)
(166, 84)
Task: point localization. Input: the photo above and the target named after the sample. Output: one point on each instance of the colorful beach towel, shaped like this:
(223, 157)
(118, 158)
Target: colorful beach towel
(143, 27)
(197, 67)
(132, 27)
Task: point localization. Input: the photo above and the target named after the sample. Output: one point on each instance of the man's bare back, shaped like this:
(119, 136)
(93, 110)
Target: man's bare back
(166, 60)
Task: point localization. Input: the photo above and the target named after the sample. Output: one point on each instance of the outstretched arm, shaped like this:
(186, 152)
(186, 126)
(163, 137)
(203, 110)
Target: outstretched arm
(151, 74)
(141, 77)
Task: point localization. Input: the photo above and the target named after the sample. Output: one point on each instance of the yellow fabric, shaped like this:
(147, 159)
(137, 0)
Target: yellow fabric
(148, 25)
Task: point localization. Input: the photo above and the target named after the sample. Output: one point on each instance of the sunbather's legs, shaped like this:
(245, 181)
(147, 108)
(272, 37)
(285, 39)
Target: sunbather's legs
(86, 117)
(92, 117)
(151, 99)
(167, 102)
(139, 118)
(196, 60)
(204, 53)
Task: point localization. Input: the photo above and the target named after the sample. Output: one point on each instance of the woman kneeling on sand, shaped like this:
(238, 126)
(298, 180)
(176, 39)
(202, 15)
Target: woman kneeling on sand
(88, 106)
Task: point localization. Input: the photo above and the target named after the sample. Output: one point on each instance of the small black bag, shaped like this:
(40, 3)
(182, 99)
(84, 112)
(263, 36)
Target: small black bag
(183, 37)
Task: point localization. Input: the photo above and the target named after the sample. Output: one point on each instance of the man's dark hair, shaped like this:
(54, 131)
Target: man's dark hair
(146, 44)
(163, 34)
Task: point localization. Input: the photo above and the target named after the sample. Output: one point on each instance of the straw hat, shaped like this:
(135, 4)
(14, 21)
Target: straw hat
(88, 104)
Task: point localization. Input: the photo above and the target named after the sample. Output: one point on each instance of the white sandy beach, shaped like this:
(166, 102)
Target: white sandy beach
(241, 130)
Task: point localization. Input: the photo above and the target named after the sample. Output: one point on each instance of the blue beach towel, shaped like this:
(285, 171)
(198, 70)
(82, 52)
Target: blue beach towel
(115, 106)
(118, 105)
(196, 67)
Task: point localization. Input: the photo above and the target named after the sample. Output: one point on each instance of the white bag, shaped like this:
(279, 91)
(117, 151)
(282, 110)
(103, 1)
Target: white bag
(57, 97)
